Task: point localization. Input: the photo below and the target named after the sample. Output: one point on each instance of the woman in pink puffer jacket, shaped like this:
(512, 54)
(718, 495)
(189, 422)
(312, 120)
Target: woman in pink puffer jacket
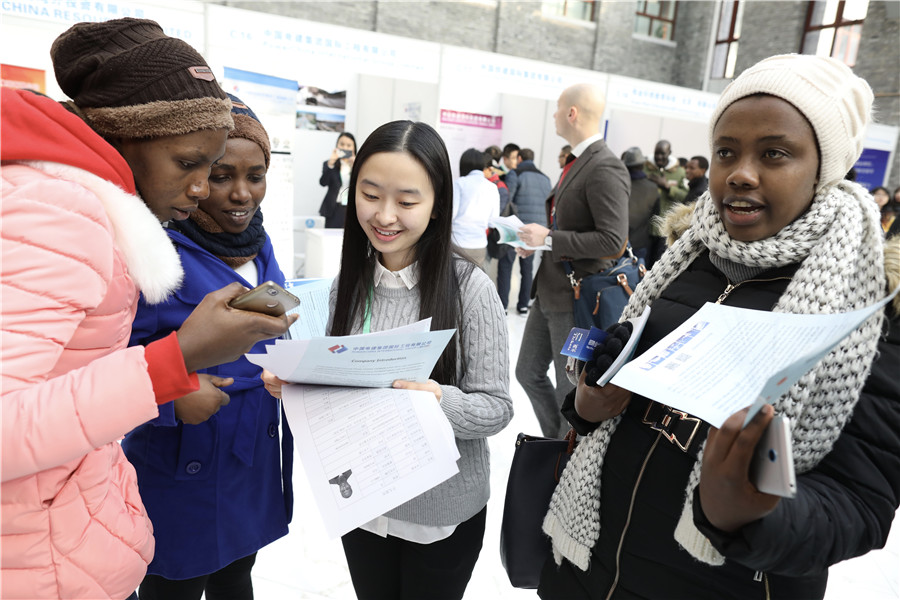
(77, 246)
(75, 241)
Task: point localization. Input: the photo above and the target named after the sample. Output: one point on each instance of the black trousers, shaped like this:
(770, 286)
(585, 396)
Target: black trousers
(394, 569)
(231, 582)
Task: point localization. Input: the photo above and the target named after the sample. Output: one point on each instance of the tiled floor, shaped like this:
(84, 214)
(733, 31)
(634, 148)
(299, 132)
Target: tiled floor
(306, 564)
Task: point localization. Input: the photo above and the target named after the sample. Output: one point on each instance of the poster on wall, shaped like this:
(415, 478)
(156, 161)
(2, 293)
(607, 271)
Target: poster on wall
(23, 78)
(272, 99)
(872, 167)
(464, 130)
(321, 110)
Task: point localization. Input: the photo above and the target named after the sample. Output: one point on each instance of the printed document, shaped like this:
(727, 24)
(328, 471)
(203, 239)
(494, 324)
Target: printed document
(370, 360)
(509, 232)
(313, 309)
(367, 451)
(724, 358)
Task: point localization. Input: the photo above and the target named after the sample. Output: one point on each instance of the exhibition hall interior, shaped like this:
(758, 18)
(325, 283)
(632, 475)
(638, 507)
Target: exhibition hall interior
(482, 74)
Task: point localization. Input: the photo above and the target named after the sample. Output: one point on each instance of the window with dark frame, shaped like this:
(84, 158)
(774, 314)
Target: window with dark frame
(727, 36)
(582, 10)
(656, 18)
(834, 28)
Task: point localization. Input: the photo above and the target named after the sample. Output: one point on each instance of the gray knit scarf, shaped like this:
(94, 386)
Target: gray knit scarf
(838, 242)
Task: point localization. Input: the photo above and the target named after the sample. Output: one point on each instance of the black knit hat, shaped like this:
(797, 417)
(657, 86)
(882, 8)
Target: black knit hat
(131, 80)
(248, 126)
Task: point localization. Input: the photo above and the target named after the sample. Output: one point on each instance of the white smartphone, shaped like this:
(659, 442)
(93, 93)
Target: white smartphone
(267, 298)
(772, 467)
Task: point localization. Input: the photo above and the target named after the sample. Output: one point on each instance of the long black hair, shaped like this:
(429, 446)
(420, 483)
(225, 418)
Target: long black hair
(439, 263)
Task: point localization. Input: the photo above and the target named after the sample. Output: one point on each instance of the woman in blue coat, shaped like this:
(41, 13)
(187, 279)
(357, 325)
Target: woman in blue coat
(213, 471)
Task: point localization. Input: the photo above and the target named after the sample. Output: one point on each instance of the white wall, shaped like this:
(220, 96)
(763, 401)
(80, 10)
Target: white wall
(384, 76)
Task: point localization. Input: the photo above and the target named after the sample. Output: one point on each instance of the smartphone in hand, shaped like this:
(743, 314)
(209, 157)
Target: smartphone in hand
(267, 298)
(772, 466)
(345, 153)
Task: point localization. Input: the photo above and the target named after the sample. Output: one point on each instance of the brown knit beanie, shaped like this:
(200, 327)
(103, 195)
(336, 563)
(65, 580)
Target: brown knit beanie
(131, 80)
(248, 126)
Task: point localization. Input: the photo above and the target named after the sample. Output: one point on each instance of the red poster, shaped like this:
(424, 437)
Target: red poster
(23, 78)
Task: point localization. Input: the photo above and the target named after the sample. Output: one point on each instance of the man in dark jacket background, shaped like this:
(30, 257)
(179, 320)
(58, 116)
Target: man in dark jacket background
(697, 181)
(641, 202)
(531, 193)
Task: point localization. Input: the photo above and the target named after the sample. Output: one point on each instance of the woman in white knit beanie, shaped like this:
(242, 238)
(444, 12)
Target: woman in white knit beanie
(655, 503)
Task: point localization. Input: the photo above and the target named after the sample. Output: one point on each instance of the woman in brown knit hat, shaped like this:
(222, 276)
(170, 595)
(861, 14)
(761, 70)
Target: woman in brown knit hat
(210, 521)
(78, 244)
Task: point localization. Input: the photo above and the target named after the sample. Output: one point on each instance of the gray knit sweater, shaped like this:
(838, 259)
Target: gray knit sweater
(479, 407)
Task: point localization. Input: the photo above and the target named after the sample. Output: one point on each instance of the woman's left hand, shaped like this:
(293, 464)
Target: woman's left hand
(426, 386)
(272, 383)
(727, 497)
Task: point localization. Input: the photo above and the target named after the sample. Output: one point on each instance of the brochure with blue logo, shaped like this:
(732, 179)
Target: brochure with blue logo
(373, 360)
(725, 358)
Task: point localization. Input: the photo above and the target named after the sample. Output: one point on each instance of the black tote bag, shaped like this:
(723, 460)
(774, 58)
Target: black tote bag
(536, 466)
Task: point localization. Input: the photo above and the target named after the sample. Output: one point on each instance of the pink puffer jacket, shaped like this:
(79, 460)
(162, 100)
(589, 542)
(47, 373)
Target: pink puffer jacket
(73, 247)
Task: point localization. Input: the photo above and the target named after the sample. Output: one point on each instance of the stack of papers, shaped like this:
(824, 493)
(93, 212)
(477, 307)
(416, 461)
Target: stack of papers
(365, 449)
(371, 360)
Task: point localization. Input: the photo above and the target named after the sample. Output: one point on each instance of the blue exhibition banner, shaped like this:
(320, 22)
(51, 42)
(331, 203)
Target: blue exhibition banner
(871, 168)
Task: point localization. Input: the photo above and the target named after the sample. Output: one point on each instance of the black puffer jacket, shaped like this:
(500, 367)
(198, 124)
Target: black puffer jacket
(844, 507)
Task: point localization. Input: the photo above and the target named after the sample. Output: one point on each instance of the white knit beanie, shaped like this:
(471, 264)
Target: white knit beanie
(836, 102)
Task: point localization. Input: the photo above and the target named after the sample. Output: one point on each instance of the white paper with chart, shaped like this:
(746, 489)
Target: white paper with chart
(367, 451)
(723, 358)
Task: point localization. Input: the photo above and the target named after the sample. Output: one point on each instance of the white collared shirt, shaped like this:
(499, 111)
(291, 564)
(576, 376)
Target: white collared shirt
(583, 145)
(406, 277)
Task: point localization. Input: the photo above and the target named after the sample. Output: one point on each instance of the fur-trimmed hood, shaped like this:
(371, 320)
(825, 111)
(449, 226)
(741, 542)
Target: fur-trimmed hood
(151, 258)
(42, 134)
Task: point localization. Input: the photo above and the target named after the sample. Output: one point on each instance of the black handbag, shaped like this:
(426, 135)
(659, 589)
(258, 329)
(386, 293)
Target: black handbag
(536, 466)
(600, 298)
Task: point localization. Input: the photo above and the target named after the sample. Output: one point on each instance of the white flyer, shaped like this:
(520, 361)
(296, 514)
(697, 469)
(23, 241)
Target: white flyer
(724, 358)
(509, 232)
(313, 309)
(369, 360)
(367, 451)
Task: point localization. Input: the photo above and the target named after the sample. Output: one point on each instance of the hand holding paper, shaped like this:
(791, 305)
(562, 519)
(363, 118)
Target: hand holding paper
(509, 227)
(724, 358)
(370, 360)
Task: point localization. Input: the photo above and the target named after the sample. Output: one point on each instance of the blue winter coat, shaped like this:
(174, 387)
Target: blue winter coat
(215, 492)
(531, 193)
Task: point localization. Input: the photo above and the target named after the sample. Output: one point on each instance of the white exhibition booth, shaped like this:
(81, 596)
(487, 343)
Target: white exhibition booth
(308, 80)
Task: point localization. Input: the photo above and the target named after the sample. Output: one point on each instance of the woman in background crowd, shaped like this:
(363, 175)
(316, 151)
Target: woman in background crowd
(335, 173)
